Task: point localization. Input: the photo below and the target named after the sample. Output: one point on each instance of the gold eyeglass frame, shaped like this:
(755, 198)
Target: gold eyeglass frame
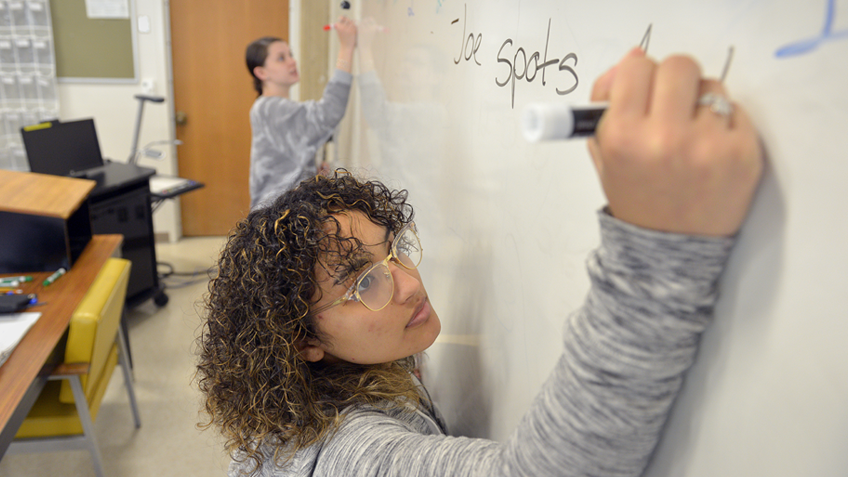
(352, 293)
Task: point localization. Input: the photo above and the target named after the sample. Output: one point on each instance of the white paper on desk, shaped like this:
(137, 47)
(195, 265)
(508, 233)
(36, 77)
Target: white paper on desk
(164, 184)
(13, 327)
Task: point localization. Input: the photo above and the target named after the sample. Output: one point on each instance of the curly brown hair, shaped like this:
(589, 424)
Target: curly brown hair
(258, 389)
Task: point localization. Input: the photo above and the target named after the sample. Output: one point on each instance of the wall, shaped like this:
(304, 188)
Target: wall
(507, 225)
(114, 109)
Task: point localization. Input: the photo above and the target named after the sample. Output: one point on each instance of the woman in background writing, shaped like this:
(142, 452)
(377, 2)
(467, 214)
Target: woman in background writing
(287, 134)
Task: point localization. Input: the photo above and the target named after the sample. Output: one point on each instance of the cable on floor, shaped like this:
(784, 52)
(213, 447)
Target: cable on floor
(197, 276)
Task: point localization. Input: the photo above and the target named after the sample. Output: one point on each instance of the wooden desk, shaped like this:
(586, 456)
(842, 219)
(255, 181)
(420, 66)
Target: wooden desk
(46, 221)
(24, 373)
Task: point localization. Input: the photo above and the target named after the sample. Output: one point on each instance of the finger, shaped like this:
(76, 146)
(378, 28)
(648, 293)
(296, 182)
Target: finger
(631, 88)
(595, 153)
(713, 113)
(601, 88)
(744, 131)
(675, 94)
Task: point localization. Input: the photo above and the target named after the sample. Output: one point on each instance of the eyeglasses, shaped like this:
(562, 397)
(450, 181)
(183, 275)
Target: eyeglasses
(375, 287)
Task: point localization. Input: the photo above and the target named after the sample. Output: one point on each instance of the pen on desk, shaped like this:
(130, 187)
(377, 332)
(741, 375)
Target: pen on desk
(545, 122)
(18, 279)
(52, 278)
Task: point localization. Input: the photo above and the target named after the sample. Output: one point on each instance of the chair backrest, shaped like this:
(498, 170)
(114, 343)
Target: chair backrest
(94, 325)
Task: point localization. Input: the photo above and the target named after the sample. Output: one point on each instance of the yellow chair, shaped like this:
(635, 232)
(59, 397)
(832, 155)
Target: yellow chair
(62, 417)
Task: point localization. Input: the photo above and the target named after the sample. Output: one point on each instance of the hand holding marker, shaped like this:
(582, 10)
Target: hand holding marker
(345, 6)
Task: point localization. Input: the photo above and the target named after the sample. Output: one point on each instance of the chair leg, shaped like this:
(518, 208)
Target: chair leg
(125, 368)
(87, 425)
(125, 330)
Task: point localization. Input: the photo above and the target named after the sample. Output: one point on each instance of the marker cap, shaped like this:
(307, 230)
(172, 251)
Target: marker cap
(541, 122)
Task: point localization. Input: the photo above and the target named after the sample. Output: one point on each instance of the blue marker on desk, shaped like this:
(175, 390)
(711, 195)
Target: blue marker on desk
(546, 122)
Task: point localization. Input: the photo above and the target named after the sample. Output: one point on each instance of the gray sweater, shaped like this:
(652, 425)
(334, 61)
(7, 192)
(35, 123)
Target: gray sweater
(287, 135)
(601, 411)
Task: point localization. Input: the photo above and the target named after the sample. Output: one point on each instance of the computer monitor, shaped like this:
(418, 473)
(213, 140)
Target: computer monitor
(62, 148)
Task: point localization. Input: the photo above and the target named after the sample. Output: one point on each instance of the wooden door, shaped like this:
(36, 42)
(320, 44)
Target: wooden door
(214, 92)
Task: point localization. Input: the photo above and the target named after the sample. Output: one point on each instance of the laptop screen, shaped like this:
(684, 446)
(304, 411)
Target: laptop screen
(62, 148)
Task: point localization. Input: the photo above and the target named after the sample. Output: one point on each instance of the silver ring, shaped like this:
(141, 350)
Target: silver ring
(717, 103)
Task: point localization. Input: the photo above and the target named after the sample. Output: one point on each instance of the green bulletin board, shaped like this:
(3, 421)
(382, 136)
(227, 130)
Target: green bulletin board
(92, 48)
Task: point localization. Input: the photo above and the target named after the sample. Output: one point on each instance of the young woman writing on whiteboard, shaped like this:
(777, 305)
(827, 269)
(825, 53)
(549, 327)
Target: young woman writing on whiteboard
(287, 134)
(318, 307)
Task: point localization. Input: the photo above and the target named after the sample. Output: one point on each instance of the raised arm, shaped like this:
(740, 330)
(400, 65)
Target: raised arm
(346, 30)
(679, 170)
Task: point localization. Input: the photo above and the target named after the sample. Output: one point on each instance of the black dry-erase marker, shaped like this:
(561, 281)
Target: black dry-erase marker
(545, 121)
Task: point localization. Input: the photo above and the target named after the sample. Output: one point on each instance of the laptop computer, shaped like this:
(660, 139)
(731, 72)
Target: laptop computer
(62, 148)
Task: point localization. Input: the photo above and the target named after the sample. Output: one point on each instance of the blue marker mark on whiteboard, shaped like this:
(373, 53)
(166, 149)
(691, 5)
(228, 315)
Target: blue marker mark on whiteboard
(827, 34)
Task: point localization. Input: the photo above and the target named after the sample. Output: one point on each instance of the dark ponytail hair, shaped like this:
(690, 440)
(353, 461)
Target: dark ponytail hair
(256, 54)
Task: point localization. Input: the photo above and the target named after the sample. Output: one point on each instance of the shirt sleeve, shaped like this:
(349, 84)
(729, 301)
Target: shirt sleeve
(602, 410)
(307, 121)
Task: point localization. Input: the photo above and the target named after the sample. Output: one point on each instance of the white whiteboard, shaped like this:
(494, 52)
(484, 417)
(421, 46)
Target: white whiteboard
(507, 225)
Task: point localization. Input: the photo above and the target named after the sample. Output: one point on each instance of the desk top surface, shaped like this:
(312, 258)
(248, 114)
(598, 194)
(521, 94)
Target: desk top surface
(59, 299)
(115, 175)
(42, 194)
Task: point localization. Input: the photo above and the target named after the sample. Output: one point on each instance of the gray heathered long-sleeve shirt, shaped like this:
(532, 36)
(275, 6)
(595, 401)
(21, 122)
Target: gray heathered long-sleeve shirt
(287, 135)
(602, 409)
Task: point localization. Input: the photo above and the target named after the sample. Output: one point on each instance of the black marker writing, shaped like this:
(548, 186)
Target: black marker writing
(646, 39)
(547, 38)
(564, 67)
(470, 41)
(531, 65)
(522, 65)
